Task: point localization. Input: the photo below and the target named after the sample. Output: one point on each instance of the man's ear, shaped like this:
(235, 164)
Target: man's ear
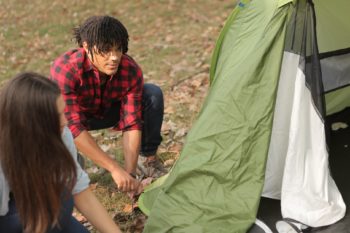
(85, 46)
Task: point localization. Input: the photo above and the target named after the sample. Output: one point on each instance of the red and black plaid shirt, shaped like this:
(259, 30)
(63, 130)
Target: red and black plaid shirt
(79, 82)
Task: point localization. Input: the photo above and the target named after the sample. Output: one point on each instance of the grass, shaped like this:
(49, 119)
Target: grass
(171, 40)
(162, 33)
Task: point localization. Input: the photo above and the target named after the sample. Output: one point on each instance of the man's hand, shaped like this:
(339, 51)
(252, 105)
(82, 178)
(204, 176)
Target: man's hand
(143, 184)
(87, 145)
(125, 182)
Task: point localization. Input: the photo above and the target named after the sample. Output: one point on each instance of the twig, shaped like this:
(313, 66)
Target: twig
(188, 77)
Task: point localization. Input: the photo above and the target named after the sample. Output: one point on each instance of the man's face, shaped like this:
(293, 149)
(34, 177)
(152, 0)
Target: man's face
(106, 63)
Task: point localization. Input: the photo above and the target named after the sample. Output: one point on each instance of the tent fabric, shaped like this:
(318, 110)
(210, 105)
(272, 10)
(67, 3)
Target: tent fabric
(261, 129)
(298, 168)
(298, 164)
(216, 183)
(280, 129)
(301, 177)
(307, 182)
(336, 78)
(333, 33)
(222, 35)
(338, 100)
(333, 28)
(336, 72)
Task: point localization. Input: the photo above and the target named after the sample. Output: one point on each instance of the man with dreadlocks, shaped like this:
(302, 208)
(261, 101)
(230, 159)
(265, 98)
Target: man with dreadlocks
(103, 87)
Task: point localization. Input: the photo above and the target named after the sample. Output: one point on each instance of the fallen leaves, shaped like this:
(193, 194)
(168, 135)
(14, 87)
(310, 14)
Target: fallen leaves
(180, 133)
(79, 217)
(130, 223)
(168, 126)
(169, 162)
(131, 219)
(128, 208)
(173, 46)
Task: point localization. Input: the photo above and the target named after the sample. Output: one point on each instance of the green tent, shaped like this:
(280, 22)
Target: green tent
(279, 67)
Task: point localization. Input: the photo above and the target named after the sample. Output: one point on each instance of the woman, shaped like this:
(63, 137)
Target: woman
(40, 178)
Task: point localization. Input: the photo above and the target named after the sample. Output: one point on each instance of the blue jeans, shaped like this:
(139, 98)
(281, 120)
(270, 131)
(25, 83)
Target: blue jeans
(152, 115)
(10, 223)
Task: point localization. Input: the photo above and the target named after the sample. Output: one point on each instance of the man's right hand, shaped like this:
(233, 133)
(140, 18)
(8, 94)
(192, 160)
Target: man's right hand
(125, 182)
(87, 145)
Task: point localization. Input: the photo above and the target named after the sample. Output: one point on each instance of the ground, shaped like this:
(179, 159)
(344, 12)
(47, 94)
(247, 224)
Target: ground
(171, 40)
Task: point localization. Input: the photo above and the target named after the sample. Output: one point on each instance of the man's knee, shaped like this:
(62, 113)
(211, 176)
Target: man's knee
(152, 96)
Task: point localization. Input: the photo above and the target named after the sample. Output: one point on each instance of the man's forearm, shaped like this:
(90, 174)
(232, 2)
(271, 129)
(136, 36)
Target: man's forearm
(87, 145)
(131, 146)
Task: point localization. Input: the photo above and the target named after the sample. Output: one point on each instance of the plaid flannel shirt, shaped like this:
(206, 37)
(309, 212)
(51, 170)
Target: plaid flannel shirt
(79, 82)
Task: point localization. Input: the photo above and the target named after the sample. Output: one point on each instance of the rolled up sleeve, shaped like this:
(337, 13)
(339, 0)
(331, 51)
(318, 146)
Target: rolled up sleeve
(131, 105)
(66, 79)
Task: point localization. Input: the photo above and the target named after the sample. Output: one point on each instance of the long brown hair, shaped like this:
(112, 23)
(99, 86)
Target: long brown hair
(35, 161)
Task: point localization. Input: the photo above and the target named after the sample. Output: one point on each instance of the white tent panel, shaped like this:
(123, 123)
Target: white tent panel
(280, 129)
(298, 167)
(309, 193)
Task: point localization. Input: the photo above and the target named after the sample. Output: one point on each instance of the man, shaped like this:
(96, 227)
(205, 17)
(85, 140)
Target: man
(103, 87)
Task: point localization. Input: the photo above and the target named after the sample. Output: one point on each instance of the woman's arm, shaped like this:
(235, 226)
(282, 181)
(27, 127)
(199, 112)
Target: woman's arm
(91, 208)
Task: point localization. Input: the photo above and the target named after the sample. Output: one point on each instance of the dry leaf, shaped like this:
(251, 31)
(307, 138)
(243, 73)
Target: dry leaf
(169, 162)
(92, 170)
(196, 83)
(175, 148)
(193, 107)
(105, 147)
(128, 208)
(165, 128)
(79, 217)
(93, 186)
(169, 38)
(138, 224)
(169, 110)
(162, 149)
(146, 182)
(97, 134)
(181, 132)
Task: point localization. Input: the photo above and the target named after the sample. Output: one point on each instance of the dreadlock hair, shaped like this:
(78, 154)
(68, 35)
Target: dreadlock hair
(102, 33)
